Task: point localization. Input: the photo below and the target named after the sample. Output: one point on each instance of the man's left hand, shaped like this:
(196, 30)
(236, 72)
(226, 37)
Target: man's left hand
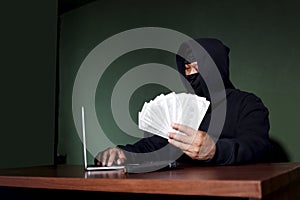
(196, 144)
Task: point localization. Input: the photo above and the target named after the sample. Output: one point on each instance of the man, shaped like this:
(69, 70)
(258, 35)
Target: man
(244, 137)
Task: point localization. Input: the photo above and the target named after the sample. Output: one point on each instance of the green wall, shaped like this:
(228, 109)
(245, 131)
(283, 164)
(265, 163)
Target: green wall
(263, 37)
(28, 54)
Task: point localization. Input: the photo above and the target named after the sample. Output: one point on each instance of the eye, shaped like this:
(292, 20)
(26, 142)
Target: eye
(187, 66)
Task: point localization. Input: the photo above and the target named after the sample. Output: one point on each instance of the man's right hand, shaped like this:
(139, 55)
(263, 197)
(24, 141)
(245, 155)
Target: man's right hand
(110, 156)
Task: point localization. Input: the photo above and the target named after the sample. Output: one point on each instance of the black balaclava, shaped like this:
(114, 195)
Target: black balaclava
(219, 54)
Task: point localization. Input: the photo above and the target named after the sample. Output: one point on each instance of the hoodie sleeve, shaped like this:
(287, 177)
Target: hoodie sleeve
(251, 142)
(135, 152)
(145, 145)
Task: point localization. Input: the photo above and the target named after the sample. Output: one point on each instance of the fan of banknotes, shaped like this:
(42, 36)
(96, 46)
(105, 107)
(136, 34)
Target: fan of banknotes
(158, 114)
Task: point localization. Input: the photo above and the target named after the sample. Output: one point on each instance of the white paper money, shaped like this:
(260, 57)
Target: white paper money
(158, 114)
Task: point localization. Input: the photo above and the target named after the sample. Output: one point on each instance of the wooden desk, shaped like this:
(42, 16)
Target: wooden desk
(259, 181)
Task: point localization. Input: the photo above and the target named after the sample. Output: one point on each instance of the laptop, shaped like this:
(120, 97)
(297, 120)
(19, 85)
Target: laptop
(92, 167)
(128, 168)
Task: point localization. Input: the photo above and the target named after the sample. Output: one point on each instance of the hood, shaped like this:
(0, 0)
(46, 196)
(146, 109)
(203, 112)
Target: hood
(210, 53)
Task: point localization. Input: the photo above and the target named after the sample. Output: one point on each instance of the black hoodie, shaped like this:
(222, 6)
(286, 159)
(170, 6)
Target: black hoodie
(244, 136)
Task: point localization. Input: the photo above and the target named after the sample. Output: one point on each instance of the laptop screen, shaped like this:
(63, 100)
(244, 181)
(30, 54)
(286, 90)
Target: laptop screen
(90, 167)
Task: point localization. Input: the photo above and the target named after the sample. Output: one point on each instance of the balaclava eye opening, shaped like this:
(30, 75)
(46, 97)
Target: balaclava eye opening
(220, 55)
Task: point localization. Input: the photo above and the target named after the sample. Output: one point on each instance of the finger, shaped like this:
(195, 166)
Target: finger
(183, 138)
(179, 138)
(183, 128)
(112, 157)
(121, 153)
(98, 158)
(104, 157)
(96, 161)
(180, 145)
(120, 161)
(122, 158)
